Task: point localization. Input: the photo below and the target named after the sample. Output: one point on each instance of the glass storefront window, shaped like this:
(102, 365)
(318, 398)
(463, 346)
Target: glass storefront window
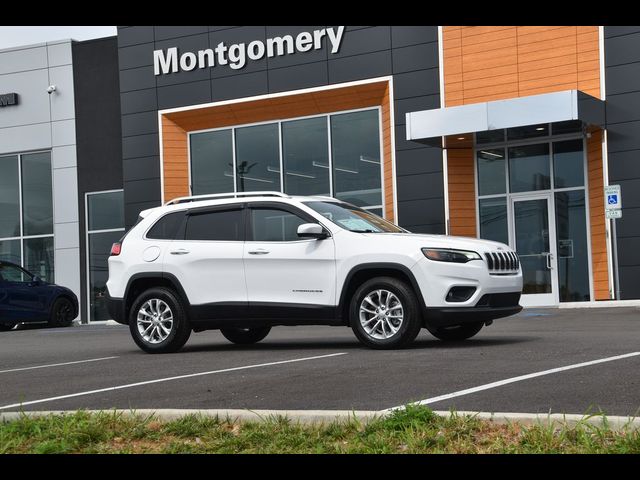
(38, 257)
(258, 158)
(490, 136)
(9, 197)
(37, 198)
(568, 164)
(10, 251)
(105, 210)
(493, 219)
(305, 153)
(491, 171)
(355, 142)
(105, 226)
(211, 162)
(529, 168)
(571, 232)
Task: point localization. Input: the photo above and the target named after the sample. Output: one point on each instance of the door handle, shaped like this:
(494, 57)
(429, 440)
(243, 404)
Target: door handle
(179, 252)
(258, 252)
(549, 258)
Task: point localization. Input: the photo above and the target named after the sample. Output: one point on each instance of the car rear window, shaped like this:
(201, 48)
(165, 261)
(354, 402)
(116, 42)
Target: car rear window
(223, 225)
(167, 227)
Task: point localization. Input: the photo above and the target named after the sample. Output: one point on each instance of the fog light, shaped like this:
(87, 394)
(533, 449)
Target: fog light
(460, 294)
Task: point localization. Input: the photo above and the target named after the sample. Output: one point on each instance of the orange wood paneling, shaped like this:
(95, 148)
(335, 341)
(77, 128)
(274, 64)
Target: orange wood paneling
(599, 261)
(462, 194)
(485, 63)
(176, 125)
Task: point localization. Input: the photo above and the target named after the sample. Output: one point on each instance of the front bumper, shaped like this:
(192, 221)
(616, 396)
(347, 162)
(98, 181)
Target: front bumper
(489, 308)
(115, 307)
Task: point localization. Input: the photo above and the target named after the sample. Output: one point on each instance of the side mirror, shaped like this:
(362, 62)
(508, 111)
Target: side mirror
(36, 279)
(312, 230)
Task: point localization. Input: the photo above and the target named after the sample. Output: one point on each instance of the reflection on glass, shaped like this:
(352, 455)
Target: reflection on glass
(529, 131)
(10, 251)
(258, 158)
(305, 152)
(571, 230)
(99, 248)
(9, 197)
(105, 210)
(490, 136)
(570, 126)
(531, 220)
(211, 162)
(529, 168)
(493, 219)
(491, 175)
(37, 197)
(38, 257)
(568, 164)
(355, 139)
(275, 225)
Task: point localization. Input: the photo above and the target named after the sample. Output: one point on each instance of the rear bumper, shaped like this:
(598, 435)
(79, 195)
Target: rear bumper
(490, 307)
(115, 307)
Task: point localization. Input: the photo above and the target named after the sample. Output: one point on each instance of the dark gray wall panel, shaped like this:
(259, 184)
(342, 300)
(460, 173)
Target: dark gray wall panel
(401, 139)
(238, 35)
(422, 186)
(139, 101)
(165, 32)
(135, 56)
(630, 287)
(414, 104)
(623, 165)
(139, 123)
(623, 136)
(143, 190)
(360, 67)
(135, 35)
(131, 209)
(366, 40)
(623, 108)
(137, 79)
(216, 28)
(415, 84)
(141, 168)
(618, 79)
(416, 57)
(421, 212)
(628, 253)
(179, 95)
(630, 192)
(419, 160)
(403, 36)
(140, 146)
(297, 77)
(246, 85)
(435, 229)
(629, 224)
(296, 58)
(617, 30)
(618, 51)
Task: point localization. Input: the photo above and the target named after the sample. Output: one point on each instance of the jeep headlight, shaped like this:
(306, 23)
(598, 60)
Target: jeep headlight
(450, 255)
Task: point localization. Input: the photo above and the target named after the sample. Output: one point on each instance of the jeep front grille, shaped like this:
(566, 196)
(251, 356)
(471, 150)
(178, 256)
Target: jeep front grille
(502, 263)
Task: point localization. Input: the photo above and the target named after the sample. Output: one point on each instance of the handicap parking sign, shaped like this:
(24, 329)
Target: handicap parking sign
(612, 199)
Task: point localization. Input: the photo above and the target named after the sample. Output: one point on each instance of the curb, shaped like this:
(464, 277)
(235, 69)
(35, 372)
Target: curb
(364, 416)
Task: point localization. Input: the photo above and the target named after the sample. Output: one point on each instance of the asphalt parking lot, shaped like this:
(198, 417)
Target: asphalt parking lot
(582, 360)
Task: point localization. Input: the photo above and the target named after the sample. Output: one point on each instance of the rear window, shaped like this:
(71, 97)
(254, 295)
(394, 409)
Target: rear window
(223, 225)
(167, 227)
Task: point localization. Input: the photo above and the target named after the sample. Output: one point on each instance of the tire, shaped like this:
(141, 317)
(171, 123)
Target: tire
(396, 297)
(158, 321)
(456, 333)
(61, 313)
(245, 336)
(6, 327)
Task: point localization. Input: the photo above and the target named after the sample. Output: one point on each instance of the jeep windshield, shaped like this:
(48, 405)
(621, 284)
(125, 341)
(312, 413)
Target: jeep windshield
(352, 218)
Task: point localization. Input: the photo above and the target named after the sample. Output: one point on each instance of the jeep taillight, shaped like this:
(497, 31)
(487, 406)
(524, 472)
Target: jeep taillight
(116, 248)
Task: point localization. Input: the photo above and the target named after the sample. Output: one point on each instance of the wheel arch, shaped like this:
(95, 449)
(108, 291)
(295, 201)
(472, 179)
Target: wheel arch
(140, 282)
(363, 272)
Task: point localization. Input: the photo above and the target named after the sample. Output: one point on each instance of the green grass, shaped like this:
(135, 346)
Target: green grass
(414, 430)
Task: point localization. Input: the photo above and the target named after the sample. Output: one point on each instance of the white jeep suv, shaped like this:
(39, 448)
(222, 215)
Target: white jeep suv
(246, 262)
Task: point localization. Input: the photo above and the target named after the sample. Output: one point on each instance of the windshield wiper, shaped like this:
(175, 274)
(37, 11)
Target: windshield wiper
(364, 231)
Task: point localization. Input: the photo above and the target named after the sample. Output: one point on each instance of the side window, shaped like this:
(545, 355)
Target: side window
(215, 225)
(167, 227)
(272, 225)
(9, 273)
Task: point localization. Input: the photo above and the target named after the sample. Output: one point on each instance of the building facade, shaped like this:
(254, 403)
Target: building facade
(510, 133)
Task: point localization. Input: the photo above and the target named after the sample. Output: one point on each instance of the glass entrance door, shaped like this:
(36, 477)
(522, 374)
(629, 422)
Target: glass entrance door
(533, 232)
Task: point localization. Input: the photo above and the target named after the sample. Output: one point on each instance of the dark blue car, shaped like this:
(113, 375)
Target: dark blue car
(25, 298)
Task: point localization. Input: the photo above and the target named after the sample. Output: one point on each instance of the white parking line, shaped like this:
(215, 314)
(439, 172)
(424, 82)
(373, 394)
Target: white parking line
(179, 377)
(56, 364)
(500, 383)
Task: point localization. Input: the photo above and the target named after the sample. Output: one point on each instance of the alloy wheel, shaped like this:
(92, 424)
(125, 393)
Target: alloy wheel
(381, 314)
